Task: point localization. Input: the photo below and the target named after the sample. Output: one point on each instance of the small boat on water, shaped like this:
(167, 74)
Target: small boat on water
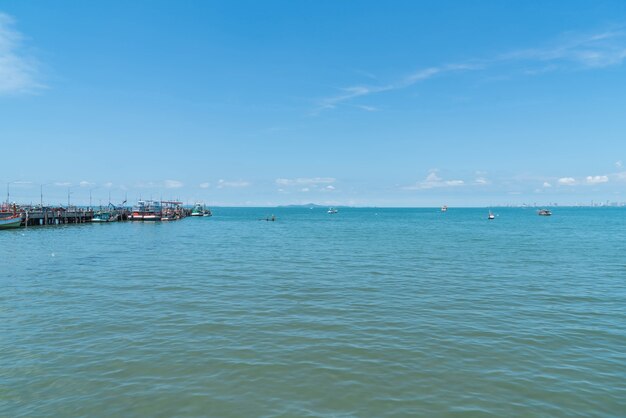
(11, 221)
(332, 211)
(200, 210)
(544, 212)
(105, 216)
(444, 208)
(491, 216)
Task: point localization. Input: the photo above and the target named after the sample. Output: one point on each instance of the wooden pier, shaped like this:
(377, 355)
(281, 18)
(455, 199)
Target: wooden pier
(38, 216)
(62, 216)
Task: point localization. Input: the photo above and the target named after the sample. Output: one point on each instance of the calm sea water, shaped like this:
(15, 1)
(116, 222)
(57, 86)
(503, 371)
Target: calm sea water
(367, 313)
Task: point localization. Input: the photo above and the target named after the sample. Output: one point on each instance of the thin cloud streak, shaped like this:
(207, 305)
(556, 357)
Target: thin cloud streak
(433, 181)
(591, 51)
(18, 72)
(305, 181)
(607, 48)
(350, 93)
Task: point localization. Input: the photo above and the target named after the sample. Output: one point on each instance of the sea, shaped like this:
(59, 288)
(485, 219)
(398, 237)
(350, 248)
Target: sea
(370, 312)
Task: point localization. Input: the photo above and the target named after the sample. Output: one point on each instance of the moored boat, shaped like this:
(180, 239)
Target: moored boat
(544, 212)
(12, 221)
(105, 216)
(200, 210)
(332, 211)
(146, 210)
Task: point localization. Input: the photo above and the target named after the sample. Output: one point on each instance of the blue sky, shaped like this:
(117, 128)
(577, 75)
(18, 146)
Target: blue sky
(398, 103)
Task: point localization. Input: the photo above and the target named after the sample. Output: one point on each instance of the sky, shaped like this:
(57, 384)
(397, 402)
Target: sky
(365, 103)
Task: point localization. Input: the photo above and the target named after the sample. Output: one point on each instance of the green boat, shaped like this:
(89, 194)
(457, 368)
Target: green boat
(11, 221)
(199, 210)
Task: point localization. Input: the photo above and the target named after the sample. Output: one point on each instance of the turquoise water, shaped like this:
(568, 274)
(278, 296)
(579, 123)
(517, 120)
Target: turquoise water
(367, 313)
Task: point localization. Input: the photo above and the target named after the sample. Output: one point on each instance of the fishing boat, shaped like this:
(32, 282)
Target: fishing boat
(444, 208)
(332, 211)
(200, 210)
(491, 216)
(146, 210)
(544, 212)
(11, 221)
(104, 216)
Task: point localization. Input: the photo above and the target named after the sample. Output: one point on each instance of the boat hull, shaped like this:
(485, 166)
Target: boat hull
(11, 222)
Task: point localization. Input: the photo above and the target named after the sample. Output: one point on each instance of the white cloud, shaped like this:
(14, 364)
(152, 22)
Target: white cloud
(204, 185)
(349, 93)
(239, 183)
(330, 187)
(434, 181)
(86, 183)
(367, 108)
(305, 189)
(618, 164)
(63, 184)
(482, 181)
(108, 184)
(567, 181)
(592, 50)
(313, 181)
(588, 51)
(621, 176)
(546, 184)
(597, 179)
(172, 184)
(17, 70)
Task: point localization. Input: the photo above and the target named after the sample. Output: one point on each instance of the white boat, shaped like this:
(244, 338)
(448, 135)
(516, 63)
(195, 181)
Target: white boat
(491, 215)
(332, 211)
(444, 208)
(544, 212)
(12, 221)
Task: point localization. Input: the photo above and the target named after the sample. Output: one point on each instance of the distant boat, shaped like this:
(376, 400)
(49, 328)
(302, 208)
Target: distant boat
(332, 211)
(12, 221)
(104, 216)
(491, 216)
(544, 212)
(444, 208)
(199, 210)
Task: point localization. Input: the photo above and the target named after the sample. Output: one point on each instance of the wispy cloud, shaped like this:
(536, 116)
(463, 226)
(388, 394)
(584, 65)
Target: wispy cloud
(594, 50)
(63, 184)
(221, 184)
(349, 93)
(433, 181)
(597, 179)
(86, 183)
(311, 181)
(204, 185)
(18, 71)
(172, 184)
(587, 51)
(566, 181)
